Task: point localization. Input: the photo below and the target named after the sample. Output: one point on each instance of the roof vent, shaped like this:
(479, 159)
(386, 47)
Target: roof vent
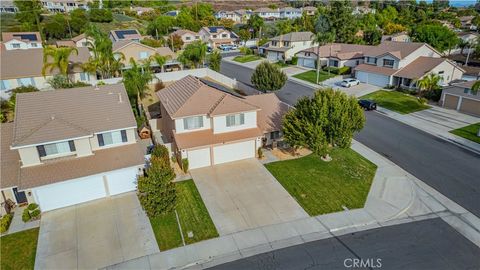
(52, 117)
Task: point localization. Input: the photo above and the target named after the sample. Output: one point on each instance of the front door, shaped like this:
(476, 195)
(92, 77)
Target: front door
(20, 196)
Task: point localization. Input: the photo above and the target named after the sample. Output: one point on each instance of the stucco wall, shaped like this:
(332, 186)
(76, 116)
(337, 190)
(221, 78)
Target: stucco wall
(422, 51)
(220, 123)
(179, 127)
(29, 156)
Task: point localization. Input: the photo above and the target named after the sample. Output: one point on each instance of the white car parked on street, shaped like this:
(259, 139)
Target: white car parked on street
(349, 82)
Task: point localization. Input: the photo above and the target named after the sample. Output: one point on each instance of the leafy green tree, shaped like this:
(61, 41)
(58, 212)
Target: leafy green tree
(186, 20)
(429, 83)
(58, 59)
(255, 23)
(136, 79)
(29, 13)
(100, 15)
(160, 26)
(372, 37)
(156, 191)
(61, 82)
(215, 59)
(55, 26)
(7, 107)
(194, 54)
(326, 120)
(153, 42)
(341, 19)
(475, 87)
(392, 28)
(78, 20)
(324, 34)
(244, 35)
(227, 23)
(160, 60)
(175, 42)
(438, 36)
(268, 77)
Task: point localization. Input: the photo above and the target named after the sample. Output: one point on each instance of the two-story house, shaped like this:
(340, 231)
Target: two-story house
(140, 52)
(290, 13)
(401, 64)
(24, 68)
(70, 146)
(78, 41)
(209, 126)
(21, 40)
(125, 34)
(8, 6)
(460, 97)
(268, 14)
(284, 47)
(65, 5)
(244, 14)
(333, 55)
(229, 15)
(215, 36)
(187, 36)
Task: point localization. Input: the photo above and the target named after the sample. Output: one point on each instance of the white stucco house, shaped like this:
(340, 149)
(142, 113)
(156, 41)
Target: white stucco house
(21, 40)
(284, 47)
(290, 13)
(268, 13)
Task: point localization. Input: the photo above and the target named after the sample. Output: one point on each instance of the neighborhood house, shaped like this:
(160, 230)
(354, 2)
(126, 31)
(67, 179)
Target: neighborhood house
(215, 36)
(21, 40)
(284, 47)
(460, 97)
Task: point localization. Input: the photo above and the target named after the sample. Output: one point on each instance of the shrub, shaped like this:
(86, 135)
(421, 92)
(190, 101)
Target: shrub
(344, 70)
(26, 215)
(333, 70)
(185, 165)
(268, 77)
(32, 206)
(160, 151)
(294, 60)
(422, 100)
(35, 214)
(260, 152)
(434, 94)
(5, 222)
(159, 86)
(246, 50)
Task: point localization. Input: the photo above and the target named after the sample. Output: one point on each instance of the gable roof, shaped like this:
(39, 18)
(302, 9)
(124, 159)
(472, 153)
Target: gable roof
(270, 117)
(341, 51)
(10, 159)
(23, 36)
(266, 10)
(119, 45)
(419, 67)
(295, 36)
(398, 49)
(29, 63)
(189, 96)
(467, 84)
(55, 115)
(181, 32)
(125, 34)
(214, 29)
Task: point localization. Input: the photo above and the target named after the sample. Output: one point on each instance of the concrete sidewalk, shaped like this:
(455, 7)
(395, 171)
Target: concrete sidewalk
(438, 122)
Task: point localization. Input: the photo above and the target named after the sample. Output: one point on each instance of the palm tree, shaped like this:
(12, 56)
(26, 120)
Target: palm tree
(475, 87)
(57, 58)
(429, 83)
(323, 36)
(160, 60)
(136, 79)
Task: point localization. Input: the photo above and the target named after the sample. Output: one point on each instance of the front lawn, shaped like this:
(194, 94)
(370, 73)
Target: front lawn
(311, 76)
(324, 187)
(280, 64)
(193, 216)
(18, 250)
(246, 58)
(468, 132)
(396, 101)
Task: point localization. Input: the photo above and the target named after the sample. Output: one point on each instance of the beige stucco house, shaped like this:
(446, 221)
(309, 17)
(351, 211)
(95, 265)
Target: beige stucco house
(187, 36)
(209, 126)
(215, 36)
(284, 47)
(141, 52)
(70, 146)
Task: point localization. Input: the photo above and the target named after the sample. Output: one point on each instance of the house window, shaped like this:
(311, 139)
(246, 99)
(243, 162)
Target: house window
(235, 120)
(371, 60)
(84, 76)
(197, 37)
(466, 90)
(388, 62)
(34, 45)
(111, 138)
(4, 85)
(224, 35)
(143, 55)
(333, 63)
(274, 135)
(307, 54)
(26, 82)
(193, 122)
(188, 38)
(16, 45)
(274, 43)
(286, 43)
(53, 149)
(214, 36)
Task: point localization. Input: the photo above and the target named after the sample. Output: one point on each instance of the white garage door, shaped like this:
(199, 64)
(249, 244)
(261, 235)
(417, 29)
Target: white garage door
(272, 56)
(372, 78)
(121, 181)
(233, 152)
(70, 192)
(198, 158)
(306, 62)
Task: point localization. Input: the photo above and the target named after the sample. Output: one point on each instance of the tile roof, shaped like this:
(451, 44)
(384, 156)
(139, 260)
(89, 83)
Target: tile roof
(65, 43)
(341, 51)
(467, 84)
(24, 36)
(201, 138)
(295, 36)
(265, 9)
(29, 63)
(104, 160)
(397, 49)
(62, 114)
(189, 96)
(125, 34)
(375, 69)
(419, 67)
(181, 32)
(9, 159)
(270, 117)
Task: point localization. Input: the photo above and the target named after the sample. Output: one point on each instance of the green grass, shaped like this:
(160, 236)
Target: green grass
(18, 250)
(280, 64)
(193, 216)
(311, 76)
(468, 132)
(324, 187)
(396, 101)
(246, 58)
(122, 18)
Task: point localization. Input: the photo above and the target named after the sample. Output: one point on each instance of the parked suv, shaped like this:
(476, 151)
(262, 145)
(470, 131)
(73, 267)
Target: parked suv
(367, 105)
(349, 82)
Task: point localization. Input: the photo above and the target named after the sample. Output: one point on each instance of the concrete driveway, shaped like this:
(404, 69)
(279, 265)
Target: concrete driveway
(242, 195)
(94, 235)
(357, 90)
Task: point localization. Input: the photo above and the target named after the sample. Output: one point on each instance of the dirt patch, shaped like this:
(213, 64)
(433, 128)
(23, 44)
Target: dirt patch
(287, 153)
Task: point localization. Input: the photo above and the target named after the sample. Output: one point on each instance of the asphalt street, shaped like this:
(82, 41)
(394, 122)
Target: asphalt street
(429, 244)
(451, 170)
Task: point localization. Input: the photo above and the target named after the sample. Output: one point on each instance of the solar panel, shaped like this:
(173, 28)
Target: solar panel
(31, 37)
(122, 33)
(214, 29)
(219, 87)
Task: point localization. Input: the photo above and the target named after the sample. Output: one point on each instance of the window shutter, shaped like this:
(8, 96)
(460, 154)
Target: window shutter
(124, 135)
(72, 146)
(100, 140)
(41, 150)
